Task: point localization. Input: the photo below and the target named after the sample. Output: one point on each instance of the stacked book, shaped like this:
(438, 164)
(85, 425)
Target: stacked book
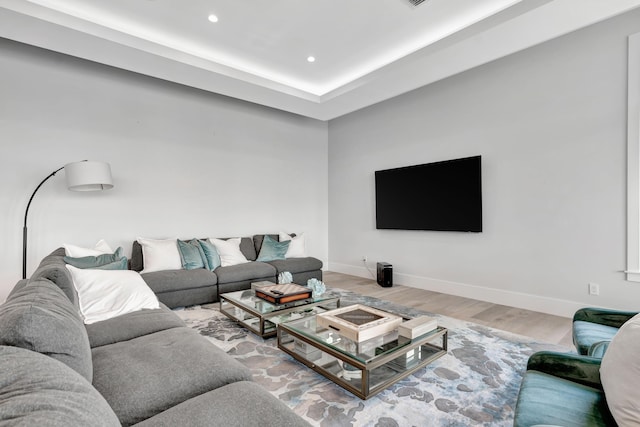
(280, 294)
(418, 326)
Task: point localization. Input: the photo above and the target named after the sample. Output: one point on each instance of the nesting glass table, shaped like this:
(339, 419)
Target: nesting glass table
(363, 368)
(261, 317)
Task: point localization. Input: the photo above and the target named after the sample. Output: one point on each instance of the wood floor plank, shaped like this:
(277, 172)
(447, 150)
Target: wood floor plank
(541, 326)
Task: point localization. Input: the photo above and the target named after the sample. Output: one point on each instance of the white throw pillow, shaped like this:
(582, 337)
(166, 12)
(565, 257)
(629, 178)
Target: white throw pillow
(159, 255)
(297, 247)
(620, 374)
(229, 251)
(104, 294)
(77, 252)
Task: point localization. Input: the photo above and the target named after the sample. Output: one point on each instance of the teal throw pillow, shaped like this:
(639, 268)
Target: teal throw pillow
(210, 254)
(120, 264)
(190, 256)
(272, 250)
(95, 261)
(196, 244)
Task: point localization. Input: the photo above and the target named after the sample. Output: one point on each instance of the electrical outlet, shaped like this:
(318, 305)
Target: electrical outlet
(594, 289)
(364, 258)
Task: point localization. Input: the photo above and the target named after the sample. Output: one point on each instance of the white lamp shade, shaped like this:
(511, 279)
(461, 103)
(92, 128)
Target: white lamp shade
(88, 176)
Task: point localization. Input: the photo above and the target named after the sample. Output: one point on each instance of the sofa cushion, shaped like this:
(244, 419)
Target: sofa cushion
(102, 247)
(39, 317)
(297, 265)
(36, 390)
(247, 248)
(94, 261)
(21, 284)
(185, 298)
(105, 294)
(586, 334)
(172, 280)
(160, 254)
(146, 375)
(121, 264)
(136, 263)
(210, 254)
(228, 406)
(272, 250)
(229, 251)
(259, 238)
(191, 255)
(548, 400)
(132, 325)
(52, 267)
(298, 246)
(620, 372)
(248, 271)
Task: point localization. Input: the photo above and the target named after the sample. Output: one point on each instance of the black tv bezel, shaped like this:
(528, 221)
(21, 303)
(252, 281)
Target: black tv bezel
(475, 224)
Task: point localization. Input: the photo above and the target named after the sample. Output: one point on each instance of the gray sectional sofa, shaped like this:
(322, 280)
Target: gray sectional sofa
(143, 368)
(179, 288)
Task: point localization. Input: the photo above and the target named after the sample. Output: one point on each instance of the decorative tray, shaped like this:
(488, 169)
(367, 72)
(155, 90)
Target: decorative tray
(359, 322)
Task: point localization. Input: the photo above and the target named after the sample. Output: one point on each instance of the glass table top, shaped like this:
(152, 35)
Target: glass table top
(248, 299)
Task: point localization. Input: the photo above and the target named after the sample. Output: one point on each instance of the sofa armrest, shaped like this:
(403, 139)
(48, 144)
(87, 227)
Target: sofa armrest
(580, 369)
(603, 316)
(21, 284)
(599, 349)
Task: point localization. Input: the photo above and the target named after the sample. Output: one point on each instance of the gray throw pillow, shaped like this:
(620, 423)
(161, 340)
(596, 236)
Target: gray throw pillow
(36, 390)
(39, 317)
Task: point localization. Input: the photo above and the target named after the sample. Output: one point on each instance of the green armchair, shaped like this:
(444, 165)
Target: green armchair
(564, 390)
(593, 329)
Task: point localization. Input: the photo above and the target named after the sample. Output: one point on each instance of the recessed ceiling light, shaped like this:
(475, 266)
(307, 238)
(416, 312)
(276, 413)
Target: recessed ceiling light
(213, 18)
(311, 58)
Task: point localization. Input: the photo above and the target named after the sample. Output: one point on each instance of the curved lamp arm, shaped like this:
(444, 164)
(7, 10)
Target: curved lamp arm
(24, 228)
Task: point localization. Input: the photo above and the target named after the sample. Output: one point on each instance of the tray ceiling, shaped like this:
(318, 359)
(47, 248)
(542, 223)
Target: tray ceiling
(365, 51)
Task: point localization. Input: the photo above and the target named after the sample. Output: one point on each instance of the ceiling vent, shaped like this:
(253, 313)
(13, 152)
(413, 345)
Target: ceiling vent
(416, 2)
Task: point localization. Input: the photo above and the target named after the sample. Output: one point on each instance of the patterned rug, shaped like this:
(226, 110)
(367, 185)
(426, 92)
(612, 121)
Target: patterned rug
(475, 384)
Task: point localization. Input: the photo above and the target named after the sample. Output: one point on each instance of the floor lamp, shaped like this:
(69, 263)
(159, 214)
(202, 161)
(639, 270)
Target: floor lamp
(81, 176)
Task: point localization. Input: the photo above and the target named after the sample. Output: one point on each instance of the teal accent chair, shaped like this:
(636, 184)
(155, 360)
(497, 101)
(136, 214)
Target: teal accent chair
(562, 389)
(593, 328)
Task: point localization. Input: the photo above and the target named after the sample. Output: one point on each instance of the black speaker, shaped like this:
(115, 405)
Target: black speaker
(385, 274)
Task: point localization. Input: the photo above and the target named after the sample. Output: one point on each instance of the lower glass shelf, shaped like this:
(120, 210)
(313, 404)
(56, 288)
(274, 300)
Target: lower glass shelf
(364, 379)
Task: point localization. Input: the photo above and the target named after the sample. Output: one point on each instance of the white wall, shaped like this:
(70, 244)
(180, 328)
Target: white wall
(185, 163)
(550, 124)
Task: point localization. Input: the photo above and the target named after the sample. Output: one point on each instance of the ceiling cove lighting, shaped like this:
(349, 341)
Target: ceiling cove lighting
(212, 18)
(431, 35)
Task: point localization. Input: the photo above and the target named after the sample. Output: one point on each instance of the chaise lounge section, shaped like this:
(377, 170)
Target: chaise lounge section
(141, 368)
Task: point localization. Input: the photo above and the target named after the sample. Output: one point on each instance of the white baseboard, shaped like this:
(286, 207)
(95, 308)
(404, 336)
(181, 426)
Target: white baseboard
(557, 307)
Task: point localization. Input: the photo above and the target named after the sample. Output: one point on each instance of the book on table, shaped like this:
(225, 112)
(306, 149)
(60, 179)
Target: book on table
(418, 326)
(280, 294)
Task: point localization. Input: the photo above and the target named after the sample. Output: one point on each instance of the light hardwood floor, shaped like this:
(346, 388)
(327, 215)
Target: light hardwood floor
(542, 327)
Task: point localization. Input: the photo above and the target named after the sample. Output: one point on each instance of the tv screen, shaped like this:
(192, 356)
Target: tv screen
(442, 196)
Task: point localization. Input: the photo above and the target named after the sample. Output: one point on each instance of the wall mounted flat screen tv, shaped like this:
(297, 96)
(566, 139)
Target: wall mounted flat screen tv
(442, 196)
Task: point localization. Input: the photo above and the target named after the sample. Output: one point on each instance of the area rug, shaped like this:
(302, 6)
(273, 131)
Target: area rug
(475, 384)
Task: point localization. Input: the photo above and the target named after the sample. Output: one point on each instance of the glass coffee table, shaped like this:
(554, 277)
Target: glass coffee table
(363, 368)
(261, 317)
